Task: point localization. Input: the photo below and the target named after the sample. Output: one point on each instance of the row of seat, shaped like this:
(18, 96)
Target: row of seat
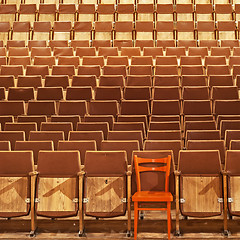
(116, 93)
(120, 12)
(61, 170)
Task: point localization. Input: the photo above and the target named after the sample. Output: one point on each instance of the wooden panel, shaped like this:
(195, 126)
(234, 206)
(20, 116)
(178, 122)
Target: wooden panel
(67, 17)
(235, 193)
(165, 35)
(61, 36)
(146, 16)
(13, 192)
(103, 36)
(185, 35)
(105, 17)
(104, 194)
(47, 18)
(165, 17)
(185, 17)
(82, 36)
(227, 35)
(41, 36)
(204, 17)
(144, 35)
(21, 35)
(206, 35)
(201, 194)
(125, 17)
(123, 35)
(56, 194)
(86, 17)
(224, 17)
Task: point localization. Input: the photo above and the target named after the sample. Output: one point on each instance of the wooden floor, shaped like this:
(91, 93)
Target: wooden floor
(152, 227)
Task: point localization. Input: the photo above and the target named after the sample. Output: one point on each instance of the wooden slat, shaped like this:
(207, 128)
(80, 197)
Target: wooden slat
(56, 194)
(235, 193)
(13, 192)
(104, 194)
(201, 194)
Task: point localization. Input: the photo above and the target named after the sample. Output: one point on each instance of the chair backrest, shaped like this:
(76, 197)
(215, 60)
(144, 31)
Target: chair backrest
(143, 168)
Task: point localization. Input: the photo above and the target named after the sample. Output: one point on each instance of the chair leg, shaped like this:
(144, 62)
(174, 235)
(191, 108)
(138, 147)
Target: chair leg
(135, 219)
(169, 218)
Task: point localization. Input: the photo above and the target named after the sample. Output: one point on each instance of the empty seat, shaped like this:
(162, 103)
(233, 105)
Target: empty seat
(18, 93)
(47, 12)
(14, 70)
(220, 80)
(79, 93)
(135, 107)
(5, 31)
(193, 80)
(166, 107)
(67, 12)
(13, 108)
(57, 81)
(203, 135)
(125, 12)
(161, 126)
(165, 12)
(137, 93)
(73, 107)
(164, 135)
(195, 93)
(228, 125)
(139, 80)
(39, 70)
(8, 13)
(166, 80)
(226, 30)
(82, 31)
(112, 80)
(166, 93)
(5, 146)
(103, 30)
(12, 137)
(105, 12)
(100, 118)
(108, 93)
(89, 70)
(86, 12)
(197, 107)
(47, 108)
(165, 30)
(50, 93)
(226, 107)
(38, 119)
(29, 81)
(224, 93)
(87, 80)
(21, 30)
(62, 30)
(206, 30)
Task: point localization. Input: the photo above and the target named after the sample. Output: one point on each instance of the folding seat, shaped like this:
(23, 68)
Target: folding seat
(167, 118)
(117, 60)
(139, 80)
(85, 51)
(199, 125)
(79, 93)
(145, 12)
(57, 43)
(166, 93)
(229, 43)
(235, 70)
(8, 13)
(50, 93)
(166, 70)
(224, 93)
(86, 12)
(38, 119)
(162, 126)
(234, 60)
(44, 60)
(111, 81)
(221, 80)
(4, 119)
(126, 135)
(195, 93)
(130, 51)
(187, 43)
(100, 118)
(87, 80)
(123, 34)
(174, 145)
(43, 51)
(105, 12)
(203, 135)
(67, 12)
(226, 30)
(215, 60)
(135, 107)
(166, 107)
(79, 43)
(47, 12)
(34, 146)
(73, 119)
(125, 12)
(206, 30)
(195, 172)
(130, 126)
(13, 108)
(93, 60)
(218, 70)
(128, 145)
(190, 60)
(221, 118)
(175, 51)
(234, 145)
(82, 31)
(204, 12)
(166, 60)
(103, 30)
(133, 118)
(224, 12)
(24, 94)
(27, 13)
(165, 12)
(21, 30)
(198, 51)
(53, 136)
(164, 135)
(209, 43)
(47, 108)
(199, 118)
(137, 93)
(65, 127)
(226, 125)
(17, 174)
(107, 52)
(63, 70)
(165, 31)
(69, 60)
(66, 175)
(82, 146)
(20, 60)
(5, 146)
(2, 93)
(236, 51)
(14, 70)
(5, 32)
(154, 52)
(12, 137)
(63, 51)
(73, 108)
(141, 70)
(39, 70)
(231, 135)
(89, 70)
(184, 12)
(29, 81)
(144, 30)
(25, 127)
(192, 70)
(115, 70)
(109, 93)
(221, 51)
(197, 107)
(113, 206)
(62, 30)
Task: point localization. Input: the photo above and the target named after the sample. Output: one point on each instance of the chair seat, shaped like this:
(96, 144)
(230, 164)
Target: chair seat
(152, 196)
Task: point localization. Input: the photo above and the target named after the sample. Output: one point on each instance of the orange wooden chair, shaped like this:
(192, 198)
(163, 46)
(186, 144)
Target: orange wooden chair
(152, 165)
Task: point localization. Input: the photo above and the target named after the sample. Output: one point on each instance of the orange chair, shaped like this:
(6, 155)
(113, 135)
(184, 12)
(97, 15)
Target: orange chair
(152, 196)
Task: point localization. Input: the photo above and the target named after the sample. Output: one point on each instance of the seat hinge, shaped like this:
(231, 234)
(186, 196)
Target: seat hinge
(37, 200)
(123, 200)
(85, 200)
(27, 200)
(230, 200)
(75, 200)
(220, 200)
(182, 200)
